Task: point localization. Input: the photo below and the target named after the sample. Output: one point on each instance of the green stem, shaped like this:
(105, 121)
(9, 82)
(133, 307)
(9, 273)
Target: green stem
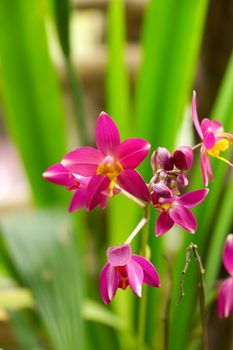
(78, 104)
(143, 303)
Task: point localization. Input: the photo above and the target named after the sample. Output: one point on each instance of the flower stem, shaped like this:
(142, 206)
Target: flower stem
(201, 289)
(197, 146)
(131, 197)
(143, 302)
(136, 230)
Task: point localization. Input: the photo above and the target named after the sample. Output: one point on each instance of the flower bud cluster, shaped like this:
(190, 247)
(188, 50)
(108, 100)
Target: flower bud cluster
(169, 169)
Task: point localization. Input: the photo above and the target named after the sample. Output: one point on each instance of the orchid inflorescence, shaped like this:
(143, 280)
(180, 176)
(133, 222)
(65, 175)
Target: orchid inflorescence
(97, 174)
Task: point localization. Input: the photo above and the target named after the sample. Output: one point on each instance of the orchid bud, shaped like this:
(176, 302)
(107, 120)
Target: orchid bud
(162, 190)
(183, 157)
(182, 180)
(162, 158)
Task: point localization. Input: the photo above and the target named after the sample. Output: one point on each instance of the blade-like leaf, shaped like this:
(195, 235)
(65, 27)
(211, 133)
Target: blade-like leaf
(171, 40)
(32, 103)
(118, 106)
(43, 251)
(212, 227)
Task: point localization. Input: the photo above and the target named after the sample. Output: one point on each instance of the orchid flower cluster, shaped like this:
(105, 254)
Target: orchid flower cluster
(95, 175)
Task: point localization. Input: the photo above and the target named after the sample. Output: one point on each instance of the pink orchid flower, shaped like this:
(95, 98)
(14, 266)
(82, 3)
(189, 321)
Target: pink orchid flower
(59, 175)
(111, 163)
(123, 269)
(225, 294)
(176, 210)
(214, 141)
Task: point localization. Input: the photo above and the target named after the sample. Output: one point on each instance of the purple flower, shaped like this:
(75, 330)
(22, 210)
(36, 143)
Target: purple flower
(176, 210)
(59, 175)
(123, 269)
(225, 293)
(112, 162)
(214, 141)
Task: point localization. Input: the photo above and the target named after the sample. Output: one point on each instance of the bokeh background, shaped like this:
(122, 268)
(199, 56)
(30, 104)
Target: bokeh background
(61, 63)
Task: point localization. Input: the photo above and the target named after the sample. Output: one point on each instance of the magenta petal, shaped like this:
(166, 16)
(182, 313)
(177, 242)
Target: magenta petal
(107, 134)
(193, 198)
(132, 182)
(203, 167)
(104, 202)
(113, 278)
(83, 161)
(216, 126)
(135, 277)
(96, 186)
(59, 175)
(151, 275)
(208, 134)
(79, 200)
(228, 254)
(163, 224)
(208, 166)
(103, 284)
(183, 217)
(119, 255)
(132, 152)
(225, 298)
(195, 116)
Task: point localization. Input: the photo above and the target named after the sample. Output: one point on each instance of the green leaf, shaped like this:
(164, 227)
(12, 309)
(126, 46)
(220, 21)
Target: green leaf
(43, 250)
(33, 114)
(172, 34)
(117, 80)
(213, 225)
(118, 106)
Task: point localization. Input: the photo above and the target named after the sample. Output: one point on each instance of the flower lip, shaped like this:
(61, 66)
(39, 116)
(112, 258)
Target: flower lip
(119, 255)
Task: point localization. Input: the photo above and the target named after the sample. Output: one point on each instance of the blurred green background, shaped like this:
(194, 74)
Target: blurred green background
(61, 63)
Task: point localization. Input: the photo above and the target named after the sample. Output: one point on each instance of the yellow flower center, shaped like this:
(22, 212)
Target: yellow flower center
(219, 146)
(165, 206)
(110, 169)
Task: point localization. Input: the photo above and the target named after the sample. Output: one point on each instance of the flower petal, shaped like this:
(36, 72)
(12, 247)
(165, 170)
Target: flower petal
(228, 254)
(135, 277)
(151, 275)
(193, 198)
(208, 134)
(132, 152)
(79, 200)
(216, 126)
(96, 186)
(203, 166)
(103, 284)
(112, 281)
(132, 182)
(195, 116)
(83, 161)
(208, 166)
(183, 217)
(163, 224)
(119, 255)
(107, 134)
(59, 175)
(225, 298)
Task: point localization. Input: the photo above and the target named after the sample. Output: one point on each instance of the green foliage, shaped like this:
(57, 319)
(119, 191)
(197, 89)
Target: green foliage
(32, 102)
(51, 270)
